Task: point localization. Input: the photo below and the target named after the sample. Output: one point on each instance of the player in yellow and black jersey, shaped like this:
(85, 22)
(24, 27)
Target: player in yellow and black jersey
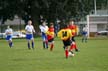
(65, 35)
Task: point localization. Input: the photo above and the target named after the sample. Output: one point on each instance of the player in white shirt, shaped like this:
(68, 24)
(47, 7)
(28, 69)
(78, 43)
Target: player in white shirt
(84, 33)
(29, 34)
(9, 33)
(43, 29)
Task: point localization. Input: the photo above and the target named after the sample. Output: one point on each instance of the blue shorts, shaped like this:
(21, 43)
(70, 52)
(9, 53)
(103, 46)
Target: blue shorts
(44, 36)
(84, 33)
(9, 37)
(29, 36)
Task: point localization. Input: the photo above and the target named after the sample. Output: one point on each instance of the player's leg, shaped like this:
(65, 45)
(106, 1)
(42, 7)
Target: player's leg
(74, 44)
(28, 44)
(10, 43)
(66, 51)
(32, 43)
(46, 42)
(71, 47)
(66, 44)
(52, 45)
(28, 40)
(9, 39)
(85, 38)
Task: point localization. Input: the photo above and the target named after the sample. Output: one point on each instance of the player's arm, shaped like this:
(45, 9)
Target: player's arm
(59, 34)
(11, 31)
(6, 32)
(70, 34)
(33, 30)
(77, 30)
(26, 28)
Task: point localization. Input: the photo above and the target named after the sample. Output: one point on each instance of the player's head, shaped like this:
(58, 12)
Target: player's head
(29, 22)
(8, 27)
(51, 24)
(44, 23)
(71, 22)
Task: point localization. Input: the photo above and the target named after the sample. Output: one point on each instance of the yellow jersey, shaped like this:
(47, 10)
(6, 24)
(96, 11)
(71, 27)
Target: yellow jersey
(64, 34)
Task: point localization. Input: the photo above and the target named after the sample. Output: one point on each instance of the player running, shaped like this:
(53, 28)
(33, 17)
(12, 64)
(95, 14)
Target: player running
(74, 30)
(50, 36)
(65, 35)
(29, 34)
(43, 29)
(9, 33)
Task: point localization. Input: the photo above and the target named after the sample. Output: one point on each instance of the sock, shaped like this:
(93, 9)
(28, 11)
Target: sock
(71, 47)
(33, 45)
(66, 53)
(51, 48)
(11, 44)
(43, 44)
(46, 42)
(75, 47)
(28, 45)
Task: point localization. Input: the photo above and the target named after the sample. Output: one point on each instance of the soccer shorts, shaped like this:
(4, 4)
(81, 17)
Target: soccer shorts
(44, 36)
(84, 33)
(67, 42)
(9, 37)
(29, 36)
(51, 40)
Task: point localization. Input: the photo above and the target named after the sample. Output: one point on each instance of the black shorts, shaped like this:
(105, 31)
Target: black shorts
(67, 42)
(51, 40)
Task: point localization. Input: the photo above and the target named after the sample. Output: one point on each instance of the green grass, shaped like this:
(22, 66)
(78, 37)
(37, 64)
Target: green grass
(93, 56)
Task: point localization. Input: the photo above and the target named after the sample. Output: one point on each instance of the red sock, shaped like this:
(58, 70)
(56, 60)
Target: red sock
(71, 47)
(66, 53)
(51, 48)
(75, 47)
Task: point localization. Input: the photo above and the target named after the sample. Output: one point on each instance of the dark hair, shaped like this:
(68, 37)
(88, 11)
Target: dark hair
(65, 25)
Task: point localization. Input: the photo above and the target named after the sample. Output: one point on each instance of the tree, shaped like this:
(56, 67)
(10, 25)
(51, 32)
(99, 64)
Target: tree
(49, 9)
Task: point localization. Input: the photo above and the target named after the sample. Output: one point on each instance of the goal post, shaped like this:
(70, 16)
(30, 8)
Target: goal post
(96, 23)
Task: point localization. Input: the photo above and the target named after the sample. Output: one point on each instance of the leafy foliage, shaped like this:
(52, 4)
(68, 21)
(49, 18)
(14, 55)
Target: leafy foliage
(49, 9)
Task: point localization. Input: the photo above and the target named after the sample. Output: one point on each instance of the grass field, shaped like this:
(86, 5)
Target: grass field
(93, 56)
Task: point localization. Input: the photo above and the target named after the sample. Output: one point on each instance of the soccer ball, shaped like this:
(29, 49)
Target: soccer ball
(70, 54)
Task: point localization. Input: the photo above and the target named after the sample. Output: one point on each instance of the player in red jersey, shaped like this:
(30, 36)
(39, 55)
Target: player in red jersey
(50, 36)
(74, 30)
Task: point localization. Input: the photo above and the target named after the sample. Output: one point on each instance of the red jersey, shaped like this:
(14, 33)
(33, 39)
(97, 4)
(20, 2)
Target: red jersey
(50, 33)
(73, 28)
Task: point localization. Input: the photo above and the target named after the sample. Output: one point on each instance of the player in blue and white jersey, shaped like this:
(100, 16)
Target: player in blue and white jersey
(29, 34)
(9, 33)
(44, 29)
